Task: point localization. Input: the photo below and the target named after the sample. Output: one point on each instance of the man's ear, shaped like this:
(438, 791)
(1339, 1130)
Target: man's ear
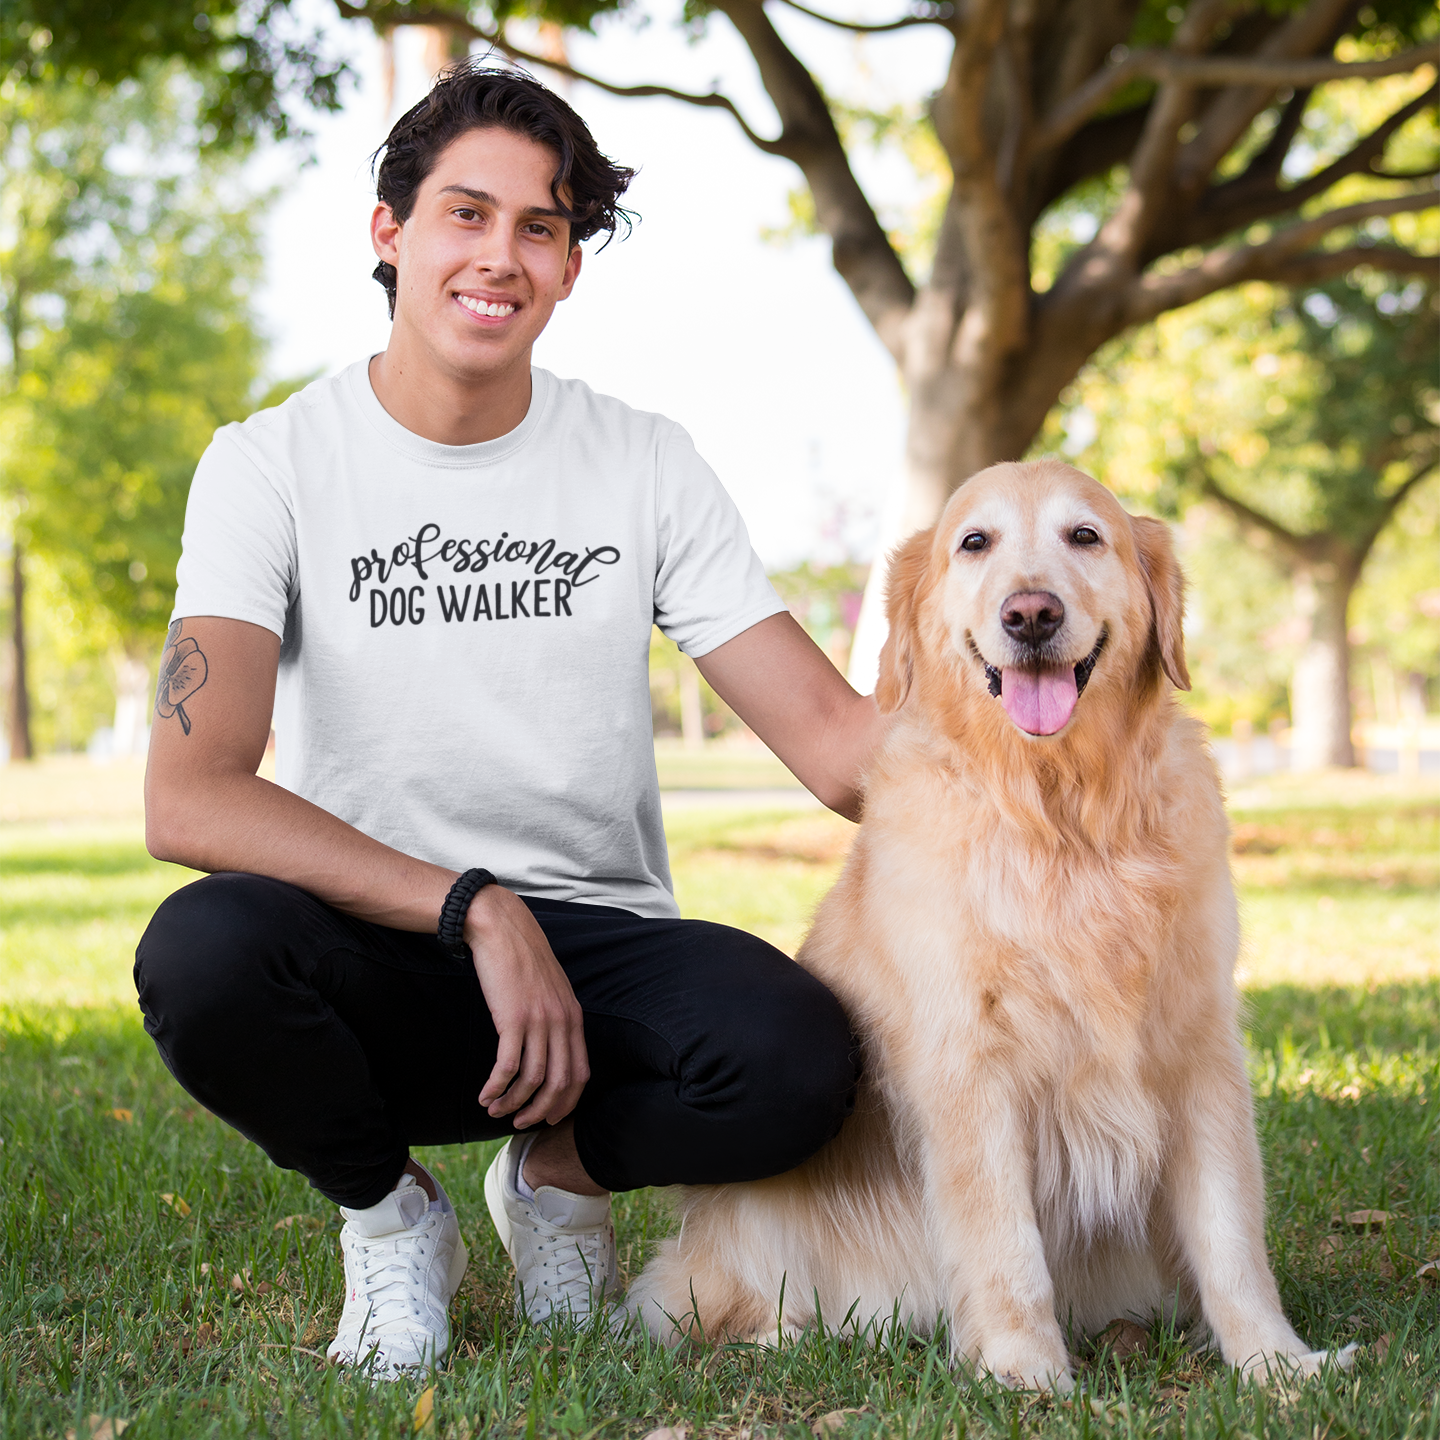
(572, 272)
(385, 233)
(897, 657)
(1166, 585)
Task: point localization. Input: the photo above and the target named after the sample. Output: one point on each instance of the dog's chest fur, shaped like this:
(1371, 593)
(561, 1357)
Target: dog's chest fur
(1041, 957)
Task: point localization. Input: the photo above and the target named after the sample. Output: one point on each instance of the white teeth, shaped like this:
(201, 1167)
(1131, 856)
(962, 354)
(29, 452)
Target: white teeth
(479, 307)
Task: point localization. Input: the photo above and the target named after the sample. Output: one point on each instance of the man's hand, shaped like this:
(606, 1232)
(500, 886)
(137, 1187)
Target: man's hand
(541, 1059)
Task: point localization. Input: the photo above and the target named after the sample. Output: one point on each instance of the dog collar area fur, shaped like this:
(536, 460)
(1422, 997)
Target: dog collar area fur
(1083, 670)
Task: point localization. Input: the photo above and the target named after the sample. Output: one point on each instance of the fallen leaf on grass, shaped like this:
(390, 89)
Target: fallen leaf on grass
(121, 1114)
(204, 1335)
(1124, 1338)
(1382, 1345)
(668, 1432)
(1172, 1392)
(1331, 1245)
(424, 1416)
(1429, 1272)
(175, 1203)
(102, 1427)
(309, 1221)
(1367, 1221)
(832, 1421)
(264, 1288)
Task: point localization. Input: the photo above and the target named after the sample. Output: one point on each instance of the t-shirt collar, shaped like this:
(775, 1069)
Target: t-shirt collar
(431, 452)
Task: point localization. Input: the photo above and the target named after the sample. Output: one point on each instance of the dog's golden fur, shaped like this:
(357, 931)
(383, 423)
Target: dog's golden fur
(1035, 937)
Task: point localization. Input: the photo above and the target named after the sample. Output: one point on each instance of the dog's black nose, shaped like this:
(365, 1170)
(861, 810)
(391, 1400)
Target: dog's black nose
(1032, 616)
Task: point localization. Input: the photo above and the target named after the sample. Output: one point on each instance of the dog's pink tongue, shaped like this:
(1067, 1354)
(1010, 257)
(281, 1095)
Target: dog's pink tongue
(1039, 702)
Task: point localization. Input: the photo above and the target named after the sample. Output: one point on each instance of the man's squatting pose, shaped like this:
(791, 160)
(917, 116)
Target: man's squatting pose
(440, 569)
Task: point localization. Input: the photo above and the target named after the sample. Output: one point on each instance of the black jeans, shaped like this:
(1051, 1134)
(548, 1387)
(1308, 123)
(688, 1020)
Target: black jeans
(335, 1044)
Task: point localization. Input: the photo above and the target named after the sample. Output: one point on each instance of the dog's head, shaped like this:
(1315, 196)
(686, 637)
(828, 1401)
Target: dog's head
(1037, 588)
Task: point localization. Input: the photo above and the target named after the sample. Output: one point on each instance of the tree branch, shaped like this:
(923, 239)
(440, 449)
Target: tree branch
(862, 252)
(1294, 545)
(940, 14)
(1161, 65)
(1284, 259)
(1249, 197)
(1305, 35)
(1124, 237)
(384, 15)
(1393, 502)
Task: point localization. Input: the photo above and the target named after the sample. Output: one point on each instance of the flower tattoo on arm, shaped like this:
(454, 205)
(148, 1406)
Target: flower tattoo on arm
(183, 670)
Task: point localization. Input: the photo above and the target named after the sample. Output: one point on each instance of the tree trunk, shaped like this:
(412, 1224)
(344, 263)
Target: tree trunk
(1320, 685)
(692, 710)
(132, 705)
(951, 436)
(19, 718)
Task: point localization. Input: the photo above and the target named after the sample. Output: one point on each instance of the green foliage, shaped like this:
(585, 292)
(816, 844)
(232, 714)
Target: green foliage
(134, 330)
(1311, 408)
(1396, 612)
(252, 60)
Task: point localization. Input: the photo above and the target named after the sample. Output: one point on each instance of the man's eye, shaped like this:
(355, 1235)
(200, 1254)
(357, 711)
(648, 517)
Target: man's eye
(1084, 535)
(975, 540)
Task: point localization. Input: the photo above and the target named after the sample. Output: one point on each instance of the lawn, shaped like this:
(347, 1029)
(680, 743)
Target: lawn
(156, 1269)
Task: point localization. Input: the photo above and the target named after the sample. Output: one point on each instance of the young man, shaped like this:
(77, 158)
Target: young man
(452, 563)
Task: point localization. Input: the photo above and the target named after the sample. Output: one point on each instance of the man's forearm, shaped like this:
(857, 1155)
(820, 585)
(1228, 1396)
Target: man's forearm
(237, 821)
(784, 687)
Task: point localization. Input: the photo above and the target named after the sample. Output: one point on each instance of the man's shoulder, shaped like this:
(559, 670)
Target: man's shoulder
(576, 402)
(300, 415)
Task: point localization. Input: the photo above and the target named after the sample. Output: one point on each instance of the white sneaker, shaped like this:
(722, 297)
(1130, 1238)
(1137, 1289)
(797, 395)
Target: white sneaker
(562, 1245)
(404, 1260)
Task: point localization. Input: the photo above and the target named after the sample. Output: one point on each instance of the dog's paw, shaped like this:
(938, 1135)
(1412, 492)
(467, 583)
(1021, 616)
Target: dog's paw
(1299, 1365)
(1027, 1368)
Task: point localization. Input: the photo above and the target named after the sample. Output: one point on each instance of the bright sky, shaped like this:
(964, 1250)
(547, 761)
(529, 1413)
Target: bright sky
(756, 348)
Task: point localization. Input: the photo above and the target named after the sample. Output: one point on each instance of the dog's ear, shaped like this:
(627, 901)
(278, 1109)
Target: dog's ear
(897, 656)
(1167, 594)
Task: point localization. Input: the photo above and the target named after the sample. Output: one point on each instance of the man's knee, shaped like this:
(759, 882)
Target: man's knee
(210, 953)
(790, 1060)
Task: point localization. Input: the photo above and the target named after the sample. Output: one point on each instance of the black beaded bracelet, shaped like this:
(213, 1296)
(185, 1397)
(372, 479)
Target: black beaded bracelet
(451, 932)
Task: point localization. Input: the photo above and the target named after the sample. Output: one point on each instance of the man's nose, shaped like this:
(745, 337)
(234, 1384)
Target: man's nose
(496, 253)
(1032, 616)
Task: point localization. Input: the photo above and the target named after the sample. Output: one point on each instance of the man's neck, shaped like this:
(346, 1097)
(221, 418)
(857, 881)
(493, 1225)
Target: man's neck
(438, 406)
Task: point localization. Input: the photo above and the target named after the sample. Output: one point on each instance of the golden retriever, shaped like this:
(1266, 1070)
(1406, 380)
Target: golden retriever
(1035, 936)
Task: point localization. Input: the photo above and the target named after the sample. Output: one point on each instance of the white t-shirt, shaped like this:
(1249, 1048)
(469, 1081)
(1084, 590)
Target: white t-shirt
(464, 667)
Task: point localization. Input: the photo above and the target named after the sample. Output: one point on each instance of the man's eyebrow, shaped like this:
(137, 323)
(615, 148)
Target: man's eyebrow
(483, 197)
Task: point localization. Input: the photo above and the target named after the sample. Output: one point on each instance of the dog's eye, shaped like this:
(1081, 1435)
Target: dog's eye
(975, 540)
(1084, 535)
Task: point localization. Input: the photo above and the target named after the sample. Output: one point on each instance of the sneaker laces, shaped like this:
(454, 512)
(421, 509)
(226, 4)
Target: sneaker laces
(389, 1279)
(579, 1259)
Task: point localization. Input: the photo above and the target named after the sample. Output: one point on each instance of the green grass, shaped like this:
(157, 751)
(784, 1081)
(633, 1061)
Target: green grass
(116, 1301)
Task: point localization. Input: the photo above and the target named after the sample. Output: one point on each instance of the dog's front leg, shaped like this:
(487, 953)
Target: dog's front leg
(981, 1217)
(1214, 1195)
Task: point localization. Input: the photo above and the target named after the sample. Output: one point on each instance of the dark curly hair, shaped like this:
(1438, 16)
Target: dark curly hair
(473, 95)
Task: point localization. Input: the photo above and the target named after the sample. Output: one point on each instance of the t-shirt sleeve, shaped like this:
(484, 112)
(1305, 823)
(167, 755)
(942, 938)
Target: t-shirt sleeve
(710, 584)
(237, 555)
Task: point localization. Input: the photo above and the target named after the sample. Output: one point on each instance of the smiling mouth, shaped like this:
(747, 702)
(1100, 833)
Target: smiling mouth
(1040, 702)
(493, 309)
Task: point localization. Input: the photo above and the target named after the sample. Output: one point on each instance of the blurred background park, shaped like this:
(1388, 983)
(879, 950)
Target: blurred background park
(1190, 247)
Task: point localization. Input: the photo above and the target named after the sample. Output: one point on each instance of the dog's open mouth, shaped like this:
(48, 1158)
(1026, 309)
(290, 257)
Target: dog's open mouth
(1041, 702)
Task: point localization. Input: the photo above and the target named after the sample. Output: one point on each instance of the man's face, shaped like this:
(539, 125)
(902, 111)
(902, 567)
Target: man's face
(483, 258)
